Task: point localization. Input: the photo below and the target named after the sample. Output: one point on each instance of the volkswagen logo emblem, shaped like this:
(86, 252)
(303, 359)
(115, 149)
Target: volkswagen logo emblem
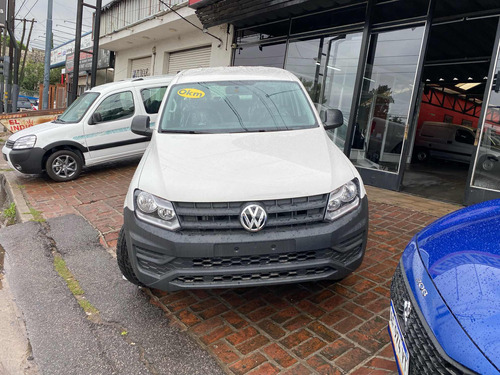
(253, 217)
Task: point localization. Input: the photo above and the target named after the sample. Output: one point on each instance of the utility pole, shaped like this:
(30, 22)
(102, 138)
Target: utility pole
(46, 71)
(26, 50)
(3, 33)
(95, 50)
(76, 55)
(78, 37)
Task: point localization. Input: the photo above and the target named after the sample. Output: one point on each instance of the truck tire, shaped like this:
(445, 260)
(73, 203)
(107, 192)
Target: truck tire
(64, 165)
(124, 260)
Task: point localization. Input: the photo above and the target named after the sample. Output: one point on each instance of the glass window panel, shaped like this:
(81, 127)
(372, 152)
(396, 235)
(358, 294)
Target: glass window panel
(385, 99)
(388, 11)
(152, 98)
(116, 106)
(327, 67)
(329, 19)
(340, 69)
(260, 55)
(487, 167)
(265, 31)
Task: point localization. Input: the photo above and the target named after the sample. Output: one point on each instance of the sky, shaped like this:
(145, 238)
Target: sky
(63, 20)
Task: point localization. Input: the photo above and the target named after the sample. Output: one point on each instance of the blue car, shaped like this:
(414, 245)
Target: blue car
(445, 296)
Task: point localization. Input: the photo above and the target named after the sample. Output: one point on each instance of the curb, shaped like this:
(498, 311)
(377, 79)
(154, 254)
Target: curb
(15, 194)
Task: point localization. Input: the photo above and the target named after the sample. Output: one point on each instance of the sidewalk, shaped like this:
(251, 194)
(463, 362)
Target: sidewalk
(320, 328)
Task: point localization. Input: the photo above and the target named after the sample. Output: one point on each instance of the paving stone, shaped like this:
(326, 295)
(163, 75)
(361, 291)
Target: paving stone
(323, 328)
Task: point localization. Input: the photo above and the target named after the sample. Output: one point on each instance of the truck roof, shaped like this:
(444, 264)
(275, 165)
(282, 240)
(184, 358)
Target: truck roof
(234, 73)
(134, 82)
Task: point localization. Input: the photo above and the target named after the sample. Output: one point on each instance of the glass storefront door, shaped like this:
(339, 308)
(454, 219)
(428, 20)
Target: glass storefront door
(327, 68)
(382, 119)
(485, 181)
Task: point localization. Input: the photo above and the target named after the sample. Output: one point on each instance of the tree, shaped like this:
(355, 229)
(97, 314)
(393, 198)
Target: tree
(33, 76)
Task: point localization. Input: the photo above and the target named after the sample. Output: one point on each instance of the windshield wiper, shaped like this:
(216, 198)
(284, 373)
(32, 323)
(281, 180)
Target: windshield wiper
(59, 121)
(230, 105)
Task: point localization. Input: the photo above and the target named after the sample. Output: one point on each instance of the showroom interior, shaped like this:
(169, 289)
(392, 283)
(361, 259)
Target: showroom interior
(390, 66)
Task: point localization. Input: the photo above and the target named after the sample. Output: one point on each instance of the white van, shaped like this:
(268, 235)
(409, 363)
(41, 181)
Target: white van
(446, 141)
(94, 129)
(241, 186)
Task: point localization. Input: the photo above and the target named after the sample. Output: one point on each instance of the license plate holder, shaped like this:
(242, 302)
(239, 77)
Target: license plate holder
(398, 343)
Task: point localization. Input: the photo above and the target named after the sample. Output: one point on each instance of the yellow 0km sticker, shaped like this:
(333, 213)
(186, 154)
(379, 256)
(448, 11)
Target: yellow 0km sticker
(191, 93)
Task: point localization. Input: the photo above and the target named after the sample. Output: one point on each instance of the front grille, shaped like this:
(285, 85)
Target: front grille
(252, 260)
(9, 144)
(158, 264)
(424, 355)
(283, 275)
(226, 215)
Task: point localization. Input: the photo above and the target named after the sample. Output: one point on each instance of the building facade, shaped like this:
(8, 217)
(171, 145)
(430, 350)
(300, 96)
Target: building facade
(161, 37)
(389, 66)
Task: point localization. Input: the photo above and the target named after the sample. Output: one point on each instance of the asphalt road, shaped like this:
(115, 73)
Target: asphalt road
(130, 336)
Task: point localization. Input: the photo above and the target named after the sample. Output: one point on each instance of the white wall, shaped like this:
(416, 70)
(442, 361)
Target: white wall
(220, 56)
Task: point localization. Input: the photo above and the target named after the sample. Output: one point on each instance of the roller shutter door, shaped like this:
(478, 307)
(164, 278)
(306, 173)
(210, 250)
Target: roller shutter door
(188, 59)
(141, 67)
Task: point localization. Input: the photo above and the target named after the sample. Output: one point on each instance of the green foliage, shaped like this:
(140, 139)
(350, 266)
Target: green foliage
(33, 76)
(10, 213)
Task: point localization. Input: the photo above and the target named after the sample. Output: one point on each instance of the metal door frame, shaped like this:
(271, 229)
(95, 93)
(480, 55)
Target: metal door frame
(476, 194)
(382, 179)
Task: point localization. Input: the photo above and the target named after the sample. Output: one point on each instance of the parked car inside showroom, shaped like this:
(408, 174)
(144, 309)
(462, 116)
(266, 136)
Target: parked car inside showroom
(454, 142)
(95, 129)
(241, 186)
(445, 296)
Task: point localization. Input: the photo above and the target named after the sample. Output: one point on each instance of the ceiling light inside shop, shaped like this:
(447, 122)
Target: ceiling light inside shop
(368, 79)
(441, 79)
(467, 86)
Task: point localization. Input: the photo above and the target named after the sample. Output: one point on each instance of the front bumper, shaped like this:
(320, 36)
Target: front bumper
(25, 161)
(178, 260)
(436, 342)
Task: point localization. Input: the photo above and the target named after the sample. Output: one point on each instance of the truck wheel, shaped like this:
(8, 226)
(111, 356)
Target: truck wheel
(421, 155)
(487, 164)
(64, 165)
(124, 260)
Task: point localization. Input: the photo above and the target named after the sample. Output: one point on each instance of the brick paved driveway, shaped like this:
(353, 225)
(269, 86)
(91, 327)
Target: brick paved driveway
(322, 327)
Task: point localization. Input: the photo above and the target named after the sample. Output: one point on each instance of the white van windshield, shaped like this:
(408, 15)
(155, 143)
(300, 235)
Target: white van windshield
(78, 108)
(236, 107)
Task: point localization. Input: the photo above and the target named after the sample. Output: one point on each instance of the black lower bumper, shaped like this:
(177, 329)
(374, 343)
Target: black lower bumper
(27, 161)
(176, 260)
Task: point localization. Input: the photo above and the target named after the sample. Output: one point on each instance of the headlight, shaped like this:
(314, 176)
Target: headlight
(156, 211)
(342, 200)
(25, 142)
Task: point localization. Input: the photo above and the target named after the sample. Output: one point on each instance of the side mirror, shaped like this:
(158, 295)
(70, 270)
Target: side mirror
(140, 126)
(95, 118)
(332, 118)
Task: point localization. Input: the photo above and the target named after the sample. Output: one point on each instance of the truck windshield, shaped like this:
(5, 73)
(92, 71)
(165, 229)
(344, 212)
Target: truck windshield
(78, 108)
(236, 107)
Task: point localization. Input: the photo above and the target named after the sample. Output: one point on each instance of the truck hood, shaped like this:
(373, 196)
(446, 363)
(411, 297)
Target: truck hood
(462, 254)
(243, 166)
(35, 130)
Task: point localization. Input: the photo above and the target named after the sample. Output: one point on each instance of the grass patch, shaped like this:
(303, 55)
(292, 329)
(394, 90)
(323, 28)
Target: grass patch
(10, 213)
(6, 169)
(37, 215)
(87, 307)
(63, 271)
(21, 186)
(74, 286)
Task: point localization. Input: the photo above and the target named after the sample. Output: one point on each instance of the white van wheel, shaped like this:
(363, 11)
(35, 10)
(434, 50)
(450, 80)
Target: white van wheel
(422, 155)
(487, 164)
(63, 165)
